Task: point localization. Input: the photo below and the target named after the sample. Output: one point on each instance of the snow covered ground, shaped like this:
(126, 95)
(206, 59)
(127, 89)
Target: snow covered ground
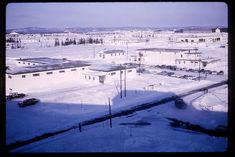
(64, 105)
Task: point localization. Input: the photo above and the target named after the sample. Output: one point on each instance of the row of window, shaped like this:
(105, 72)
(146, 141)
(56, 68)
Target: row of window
(191, 62)
(48, 73)
(28, 63)
(113, 73)
(116, 54)
(89, 77)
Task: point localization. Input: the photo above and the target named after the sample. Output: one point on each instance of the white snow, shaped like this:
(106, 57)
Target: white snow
(66, 104)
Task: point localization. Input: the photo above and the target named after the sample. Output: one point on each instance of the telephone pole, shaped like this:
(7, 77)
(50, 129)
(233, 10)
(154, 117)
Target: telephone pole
(120, 81)
(110, 115)
(125, 82)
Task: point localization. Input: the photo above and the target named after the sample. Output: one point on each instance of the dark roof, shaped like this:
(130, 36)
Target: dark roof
(165, 49)
(113, 51)
(109, 68)
(44, 60)
(41, 68)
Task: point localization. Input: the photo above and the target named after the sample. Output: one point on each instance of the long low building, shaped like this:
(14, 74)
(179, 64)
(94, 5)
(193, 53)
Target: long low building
(30, 77)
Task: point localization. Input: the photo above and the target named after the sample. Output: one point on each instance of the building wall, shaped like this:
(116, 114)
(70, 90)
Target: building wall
(22, 82)
(159, 58)
(113, 76)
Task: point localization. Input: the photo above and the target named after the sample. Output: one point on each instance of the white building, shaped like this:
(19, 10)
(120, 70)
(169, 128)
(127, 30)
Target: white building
(38, 76)
(168, 56)
(108, 73)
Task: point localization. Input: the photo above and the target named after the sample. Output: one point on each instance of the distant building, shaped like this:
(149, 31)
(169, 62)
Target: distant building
(219, 30)
(111, 54)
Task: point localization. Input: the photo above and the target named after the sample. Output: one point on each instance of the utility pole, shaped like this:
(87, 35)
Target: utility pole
(120, 81)
(199, 67)
(94, 51)
(127, 51)
(110, 115)
(125, 83)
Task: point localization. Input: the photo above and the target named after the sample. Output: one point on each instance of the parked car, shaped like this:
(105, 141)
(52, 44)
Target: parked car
(220, 72)
(170, 73)
(214, 72)
(163, 73)
(179, 103)
(15, 95)
(202, 70)
(208, 72)
(190, 70)
(173, 68)
(28, 102)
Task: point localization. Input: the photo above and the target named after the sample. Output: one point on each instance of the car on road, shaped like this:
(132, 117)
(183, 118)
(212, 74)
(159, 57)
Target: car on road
(220, 72)
(15, 95)
(28, 102)
(179, 103)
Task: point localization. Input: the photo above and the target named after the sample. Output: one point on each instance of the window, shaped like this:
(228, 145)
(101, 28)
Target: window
(121, 72)
(73, 69)
(113, 73)
(191, 61)
(184, 62)
(83, 68)
(123, 53)
(196, 62)
(192, 41)
(48, 73)
(111, 54)
(119, 54)
(100, 55)
(23, 62)
(129, 71)
(181, 56)
(61, 71)
(23, 76)
(179, 62)
(9, 76)
(35, 74)
(93, 78)
(28, 63)
(33, 64)
(18, 62)
(89, 77)
(85, 76)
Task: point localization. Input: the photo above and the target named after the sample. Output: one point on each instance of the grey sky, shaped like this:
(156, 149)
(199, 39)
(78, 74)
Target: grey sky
(171, 14)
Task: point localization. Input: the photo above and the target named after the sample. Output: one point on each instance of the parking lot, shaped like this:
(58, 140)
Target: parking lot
(184, 73)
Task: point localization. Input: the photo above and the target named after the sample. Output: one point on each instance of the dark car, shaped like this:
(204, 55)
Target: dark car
(220, 72)
(15, 95)
(28, 102)
(179, 103)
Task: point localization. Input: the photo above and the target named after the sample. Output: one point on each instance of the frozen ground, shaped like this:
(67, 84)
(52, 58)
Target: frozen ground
(64, 105)
(143, 131)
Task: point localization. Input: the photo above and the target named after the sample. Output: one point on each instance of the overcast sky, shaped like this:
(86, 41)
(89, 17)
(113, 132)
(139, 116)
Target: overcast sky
(165, 14)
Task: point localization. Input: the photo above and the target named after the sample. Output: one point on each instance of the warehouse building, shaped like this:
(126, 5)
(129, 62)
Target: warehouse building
(37, 76)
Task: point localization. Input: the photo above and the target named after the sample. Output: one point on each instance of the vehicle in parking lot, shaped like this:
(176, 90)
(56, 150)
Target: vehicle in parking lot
(28, 102)
(170, 73)
(208, 72)
(163, 73)
(214, 72)
(15, 95)
(179, 103)
(220, 72)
